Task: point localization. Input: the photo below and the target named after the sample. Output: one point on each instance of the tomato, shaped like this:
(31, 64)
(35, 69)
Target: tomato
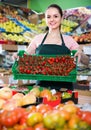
(40, 126)
(29, 128)
(24, 118)
(31, 109)
(65, 114)
(8, 118)
(43, 108)
(79, 113)
(20, 112)
(86, 116)
(59, 106)
(19, 127)
(73, 122)
(34, 118)
(53, 120)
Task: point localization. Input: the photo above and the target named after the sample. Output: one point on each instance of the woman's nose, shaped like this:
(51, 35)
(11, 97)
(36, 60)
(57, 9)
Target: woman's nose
(51, 19)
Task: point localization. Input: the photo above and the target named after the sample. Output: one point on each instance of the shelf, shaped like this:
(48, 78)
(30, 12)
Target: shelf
(11, 47)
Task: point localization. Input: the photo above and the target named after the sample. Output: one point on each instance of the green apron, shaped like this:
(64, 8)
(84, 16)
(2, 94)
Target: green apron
(52, 49)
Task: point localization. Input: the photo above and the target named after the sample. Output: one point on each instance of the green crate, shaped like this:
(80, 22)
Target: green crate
(69, 78)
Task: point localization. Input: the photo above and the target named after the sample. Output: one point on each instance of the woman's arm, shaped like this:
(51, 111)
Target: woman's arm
(36, 41)
(82, 58)
(73, 45)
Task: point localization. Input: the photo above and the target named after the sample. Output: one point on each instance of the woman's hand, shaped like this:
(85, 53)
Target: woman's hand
(15, 56)
(82, 58)
(78, 55)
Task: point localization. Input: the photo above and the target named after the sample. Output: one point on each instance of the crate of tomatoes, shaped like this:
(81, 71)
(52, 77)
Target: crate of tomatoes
(45, 67)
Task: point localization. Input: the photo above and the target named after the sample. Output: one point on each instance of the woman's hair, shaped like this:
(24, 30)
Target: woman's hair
(57, 7)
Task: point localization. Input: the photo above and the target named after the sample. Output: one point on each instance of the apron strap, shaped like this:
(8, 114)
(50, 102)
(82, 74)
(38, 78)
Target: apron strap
(44, 39)
(62, 39)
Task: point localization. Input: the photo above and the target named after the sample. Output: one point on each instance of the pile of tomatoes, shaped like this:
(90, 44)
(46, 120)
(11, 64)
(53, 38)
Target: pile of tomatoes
(59, 65)
(44, 117)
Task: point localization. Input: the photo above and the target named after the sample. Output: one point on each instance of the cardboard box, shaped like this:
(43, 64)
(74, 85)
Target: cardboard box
(33, 18)
(9, 47)
(41, 16)
(8, 79)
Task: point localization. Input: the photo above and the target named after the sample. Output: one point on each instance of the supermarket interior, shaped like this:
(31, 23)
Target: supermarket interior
(20, 22)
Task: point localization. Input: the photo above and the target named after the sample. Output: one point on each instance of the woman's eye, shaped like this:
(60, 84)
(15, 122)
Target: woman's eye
(48, 16)
(56, 16)
(53, 16)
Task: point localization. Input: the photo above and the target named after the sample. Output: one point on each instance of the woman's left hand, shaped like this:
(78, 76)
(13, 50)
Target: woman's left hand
(81, 57)
(78, 55)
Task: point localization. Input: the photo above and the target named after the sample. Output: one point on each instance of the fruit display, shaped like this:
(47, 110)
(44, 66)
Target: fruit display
(10, 26)
(14, 37)
(78, 15)
(15, 20)
(83, 38)
(81, 16)
(14, 97)
(63, 116)
(68, 25)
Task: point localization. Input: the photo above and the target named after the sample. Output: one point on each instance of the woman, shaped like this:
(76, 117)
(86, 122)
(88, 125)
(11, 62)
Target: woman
(55, 43)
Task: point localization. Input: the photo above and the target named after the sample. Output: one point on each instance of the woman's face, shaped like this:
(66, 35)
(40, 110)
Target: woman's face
(53, 18)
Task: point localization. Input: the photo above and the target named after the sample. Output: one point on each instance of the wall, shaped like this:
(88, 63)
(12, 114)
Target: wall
(40, 5)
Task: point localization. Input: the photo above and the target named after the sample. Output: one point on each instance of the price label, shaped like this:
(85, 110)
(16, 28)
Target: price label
(21, 47)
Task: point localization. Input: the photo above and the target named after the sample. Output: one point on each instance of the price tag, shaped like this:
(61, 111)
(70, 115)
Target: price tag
(81, 77)
(21, 47)
(0, 48)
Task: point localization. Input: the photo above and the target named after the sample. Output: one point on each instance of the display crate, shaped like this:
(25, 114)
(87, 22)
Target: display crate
(71, 77)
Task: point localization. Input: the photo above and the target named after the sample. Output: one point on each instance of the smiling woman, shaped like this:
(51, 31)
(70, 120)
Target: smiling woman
(53, 42)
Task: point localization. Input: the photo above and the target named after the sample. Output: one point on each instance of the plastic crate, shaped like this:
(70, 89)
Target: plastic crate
(69, 78)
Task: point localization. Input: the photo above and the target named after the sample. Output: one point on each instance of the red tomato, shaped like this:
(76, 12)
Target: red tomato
(11, 117)
(43, 108)
(31, 109)
(39, 126)
(86, 116)
(20, 112)
(79, 113)
(24, 118)
(8, 118)
(29, 128)
(18, 127)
